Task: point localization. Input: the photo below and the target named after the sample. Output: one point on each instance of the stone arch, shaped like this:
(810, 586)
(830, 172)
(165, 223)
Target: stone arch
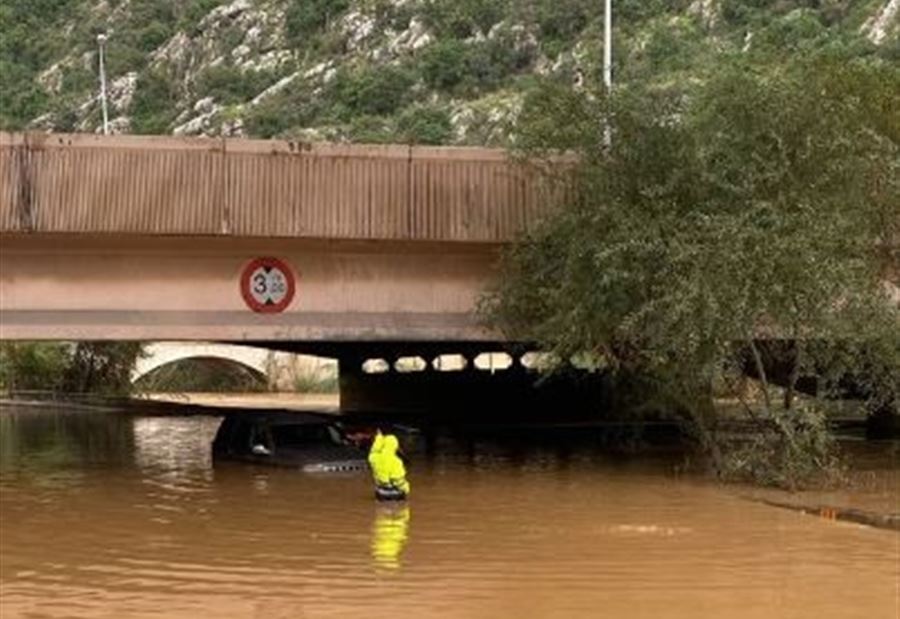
(159, 354)
(203, 373)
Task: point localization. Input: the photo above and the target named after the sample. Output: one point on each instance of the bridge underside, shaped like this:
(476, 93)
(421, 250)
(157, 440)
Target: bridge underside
(94, 287)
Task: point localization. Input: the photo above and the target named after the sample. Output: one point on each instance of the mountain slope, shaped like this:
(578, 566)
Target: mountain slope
(426, 71)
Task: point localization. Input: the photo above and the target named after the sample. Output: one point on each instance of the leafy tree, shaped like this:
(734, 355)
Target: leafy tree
(32, 365)
(101, 367)
(754, 205)
(82, 367)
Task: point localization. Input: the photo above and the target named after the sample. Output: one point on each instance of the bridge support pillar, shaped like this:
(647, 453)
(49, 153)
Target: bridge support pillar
(471, 394)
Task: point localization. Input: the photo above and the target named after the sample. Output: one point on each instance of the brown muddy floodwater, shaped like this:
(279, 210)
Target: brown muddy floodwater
(107, 515)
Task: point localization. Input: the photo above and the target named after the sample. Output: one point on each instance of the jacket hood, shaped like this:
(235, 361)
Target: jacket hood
(390, 444)
(385, 445)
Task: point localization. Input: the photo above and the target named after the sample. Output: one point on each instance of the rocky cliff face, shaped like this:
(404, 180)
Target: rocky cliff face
(427, 71)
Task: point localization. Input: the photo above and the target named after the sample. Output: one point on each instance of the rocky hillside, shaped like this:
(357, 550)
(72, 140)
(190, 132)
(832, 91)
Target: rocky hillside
(423, 71)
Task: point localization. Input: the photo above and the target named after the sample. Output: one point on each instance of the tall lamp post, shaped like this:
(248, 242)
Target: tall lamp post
(607, 46)
(101, 42)
(607, 65)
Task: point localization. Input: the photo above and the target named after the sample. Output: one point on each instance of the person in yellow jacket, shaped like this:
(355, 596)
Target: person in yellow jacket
(387, 469)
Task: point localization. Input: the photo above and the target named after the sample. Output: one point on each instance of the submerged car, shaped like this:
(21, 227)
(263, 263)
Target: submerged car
(314, 443)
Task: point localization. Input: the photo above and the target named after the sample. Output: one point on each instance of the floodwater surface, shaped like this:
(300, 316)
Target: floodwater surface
(114, 516)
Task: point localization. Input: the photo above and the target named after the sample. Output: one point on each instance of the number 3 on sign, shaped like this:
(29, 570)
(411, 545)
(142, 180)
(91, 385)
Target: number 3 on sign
(267, 285)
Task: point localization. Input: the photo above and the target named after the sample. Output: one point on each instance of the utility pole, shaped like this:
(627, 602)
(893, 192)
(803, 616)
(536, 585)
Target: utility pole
(607, 46)
(607, 66)
(101, 41)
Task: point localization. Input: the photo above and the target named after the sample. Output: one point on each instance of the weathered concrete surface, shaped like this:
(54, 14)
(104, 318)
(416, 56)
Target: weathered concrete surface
(94, 287)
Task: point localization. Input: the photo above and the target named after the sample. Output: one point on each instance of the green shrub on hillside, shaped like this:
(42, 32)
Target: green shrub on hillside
(228, 84)
(671, 47)
(191, 12)
(562, 20)
(492, 62)
(794, 31)
(293, 108)
(375, 91)
(464, 68)
(21, 99)
(371, 130)
(154, 106)
(633, 11)
(24, 54)
(150, 24)
(425, 124)
(445, 64)
(267, 121)
(305, 19)
(462, 19)
(122, 57)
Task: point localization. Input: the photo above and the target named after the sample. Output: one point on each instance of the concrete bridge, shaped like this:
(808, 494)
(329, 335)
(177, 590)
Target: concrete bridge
(158, 238)
(360, 253)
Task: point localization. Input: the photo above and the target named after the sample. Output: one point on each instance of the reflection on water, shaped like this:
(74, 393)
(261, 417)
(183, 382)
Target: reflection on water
(106, 515)
(389, 534)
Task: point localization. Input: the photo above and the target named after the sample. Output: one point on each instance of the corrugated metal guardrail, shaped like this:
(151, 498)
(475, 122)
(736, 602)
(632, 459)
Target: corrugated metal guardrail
(59, 183)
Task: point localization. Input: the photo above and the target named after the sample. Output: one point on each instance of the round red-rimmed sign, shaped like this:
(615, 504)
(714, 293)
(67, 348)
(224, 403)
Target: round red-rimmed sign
(267, 285)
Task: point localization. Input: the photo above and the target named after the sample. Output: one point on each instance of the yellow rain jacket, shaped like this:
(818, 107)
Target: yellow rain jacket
(387, 467)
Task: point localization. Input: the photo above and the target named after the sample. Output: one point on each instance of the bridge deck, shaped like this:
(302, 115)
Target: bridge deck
(249, 188)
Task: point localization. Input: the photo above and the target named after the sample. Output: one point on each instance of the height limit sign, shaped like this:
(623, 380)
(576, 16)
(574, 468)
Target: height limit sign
(267, 285)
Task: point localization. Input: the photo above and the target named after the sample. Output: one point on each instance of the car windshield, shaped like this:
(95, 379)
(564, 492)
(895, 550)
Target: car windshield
(305, 435)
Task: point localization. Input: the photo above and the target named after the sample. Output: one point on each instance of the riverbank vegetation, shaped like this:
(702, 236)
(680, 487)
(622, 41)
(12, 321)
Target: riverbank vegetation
(741, 222)
(102, 368)
(316, 380)
(107, 368)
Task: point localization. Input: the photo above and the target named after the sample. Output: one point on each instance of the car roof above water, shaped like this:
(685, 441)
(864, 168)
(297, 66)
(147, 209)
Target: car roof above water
(283, 418)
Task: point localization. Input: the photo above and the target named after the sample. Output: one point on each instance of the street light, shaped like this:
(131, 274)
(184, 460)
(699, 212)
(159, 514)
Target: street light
(607, 46)
(101, 42)
(607, 67)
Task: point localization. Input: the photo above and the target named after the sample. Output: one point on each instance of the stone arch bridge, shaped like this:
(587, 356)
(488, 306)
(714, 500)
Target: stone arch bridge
(280, 369)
